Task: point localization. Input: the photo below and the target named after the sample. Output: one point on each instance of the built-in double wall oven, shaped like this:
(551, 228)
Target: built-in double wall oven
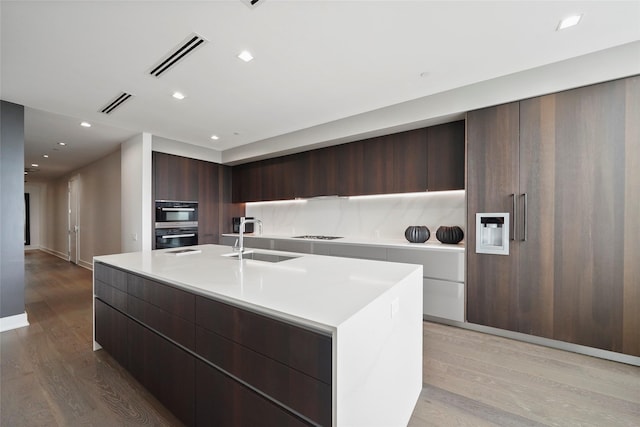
(176, 223)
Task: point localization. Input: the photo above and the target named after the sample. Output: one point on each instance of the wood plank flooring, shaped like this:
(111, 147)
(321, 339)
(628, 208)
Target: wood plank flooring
(49, 376)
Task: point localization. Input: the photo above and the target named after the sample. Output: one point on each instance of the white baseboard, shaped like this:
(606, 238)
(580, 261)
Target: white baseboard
(56, 253)
(31, 248)
(85, 264)
(13, 322)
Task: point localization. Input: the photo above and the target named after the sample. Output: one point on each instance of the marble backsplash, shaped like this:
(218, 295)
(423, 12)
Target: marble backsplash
(368, 217)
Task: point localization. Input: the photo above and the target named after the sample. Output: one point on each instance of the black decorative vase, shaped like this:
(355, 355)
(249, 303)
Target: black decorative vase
(451, 235)
(417, 233)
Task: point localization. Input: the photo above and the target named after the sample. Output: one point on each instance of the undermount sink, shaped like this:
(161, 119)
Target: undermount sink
(260, 256)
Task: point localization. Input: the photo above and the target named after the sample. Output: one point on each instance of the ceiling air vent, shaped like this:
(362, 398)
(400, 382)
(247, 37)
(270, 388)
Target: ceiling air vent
(252, 3)
(188, 45)
(115, 103)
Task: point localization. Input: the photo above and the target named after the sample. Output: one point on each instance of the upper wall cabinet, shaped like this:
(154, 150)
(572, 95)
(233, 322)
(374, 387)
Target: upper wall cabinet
(445, 156)
(175, 177)
(429, 158)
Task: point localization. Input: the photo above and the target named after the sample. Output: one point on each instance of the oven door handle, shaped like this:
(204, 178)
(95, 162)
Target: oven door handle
(178, 209)
(177, 236)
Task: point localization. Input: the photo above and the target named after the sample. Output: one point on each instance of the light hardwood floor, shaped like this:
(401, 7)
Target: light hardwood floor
(51, 377)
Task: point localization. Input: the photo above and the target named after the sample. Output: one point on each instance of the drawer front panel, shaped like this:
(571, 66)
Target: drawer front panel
(110, 324)
(164, 369)
(111, 276)
(436, 264)
(304, 350)
(169, 299)
(304, 394)
(257, 243)
(112, 296)
(303, 246)
(221, 401)
(361, 252)
(174, 327)
(443, 299)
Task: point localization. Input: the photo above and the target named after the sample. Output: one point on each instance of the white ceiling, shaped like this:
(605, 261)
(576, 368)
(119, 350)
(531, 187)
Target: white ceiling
(316, 63)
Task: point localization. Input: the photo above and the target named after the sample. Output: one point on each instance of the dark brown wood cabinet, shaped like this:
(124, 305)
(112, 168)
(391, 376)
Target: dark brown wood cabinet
(349, 169)
(251, 369)
(222, 401)
(210, 201)
(129, 330)
(445, 157)
(175, 177)
(163, 368)
(378, 163)
(492, 184)
(411, 161)
(572, 273)
(247, 182)
(181, 178)
(110, 325)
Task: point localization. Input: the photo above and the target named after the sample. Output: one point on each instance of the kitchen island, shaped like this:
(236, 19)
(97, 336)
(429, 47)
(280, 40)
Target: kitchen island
(301, 340)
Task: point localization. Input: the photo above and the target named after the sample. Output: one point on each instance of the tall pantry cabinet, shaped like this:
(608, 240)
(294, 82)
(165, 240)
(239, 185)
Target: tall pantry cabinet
(566, 167)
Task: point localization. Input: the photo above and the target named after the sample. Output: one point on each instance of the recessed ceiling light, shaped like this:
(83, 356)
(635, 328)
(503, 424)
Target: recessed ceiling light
(46, 156)
(85, 124)
(35, 165)
(569, 21)
(62, 144)
(245, 55)
(215, 137)
(26, 173)
(178, 95)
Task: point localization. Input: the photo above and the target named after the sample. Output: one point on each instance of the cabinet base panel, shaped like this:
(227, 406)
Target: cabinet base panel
(546, 342)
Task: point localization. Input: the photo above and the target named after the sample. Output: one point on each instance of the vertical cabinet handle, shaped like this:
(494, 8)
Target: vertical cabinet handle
(524, 218)
(514, 199)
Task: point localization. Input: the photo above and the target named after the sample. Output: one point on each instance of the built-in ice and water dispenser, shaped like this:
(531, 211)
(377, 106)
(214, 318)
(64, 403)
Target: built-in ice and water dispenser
(492, 233)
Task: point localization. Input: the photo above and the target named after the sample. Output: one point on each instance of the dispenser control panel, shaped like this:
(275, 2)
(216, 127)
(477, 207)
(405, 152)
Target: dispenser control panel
(492, 233)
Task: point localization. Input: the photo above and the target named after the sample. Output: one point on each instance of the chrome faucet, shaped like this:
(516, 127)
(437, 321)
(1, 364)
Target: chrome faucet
(243, 221)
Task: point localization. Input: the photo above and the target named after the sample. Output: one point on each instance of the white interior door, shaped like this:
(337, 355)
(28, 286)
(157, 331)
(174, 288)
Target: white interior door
(74, 226)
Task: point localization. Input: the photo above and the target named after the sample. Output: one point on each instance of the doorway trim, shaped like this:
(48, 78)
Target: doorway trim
(73, 224)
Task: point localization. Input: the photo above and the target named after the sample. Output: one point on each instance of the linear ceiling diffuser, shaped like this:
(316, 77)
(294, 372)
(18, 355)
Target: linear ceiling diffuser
(116, 102)
(177, 54)
(251, 3)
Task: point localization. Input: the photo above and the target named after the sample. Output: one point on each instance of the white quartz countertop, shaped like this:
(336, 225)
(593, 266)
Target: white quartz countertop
(318, 291)
(429, 245)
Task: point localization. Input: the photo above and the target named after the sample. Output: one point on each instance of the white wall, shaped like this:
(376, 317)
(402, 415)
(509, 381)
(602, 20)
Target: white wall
(54, 201)
(382, 217)
(191, 151)
(136, 208)
(99, 211)
(608, 64)
(99, 201)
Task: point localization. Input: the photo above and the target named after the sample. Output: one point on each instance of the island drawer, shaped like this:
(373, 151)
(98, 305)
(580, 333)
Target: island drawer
(110, 325)
(112, 296)
(167, 298)
(307, 351)
(221, 401)
(111, 276)
(302, 393)
(173, 327)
